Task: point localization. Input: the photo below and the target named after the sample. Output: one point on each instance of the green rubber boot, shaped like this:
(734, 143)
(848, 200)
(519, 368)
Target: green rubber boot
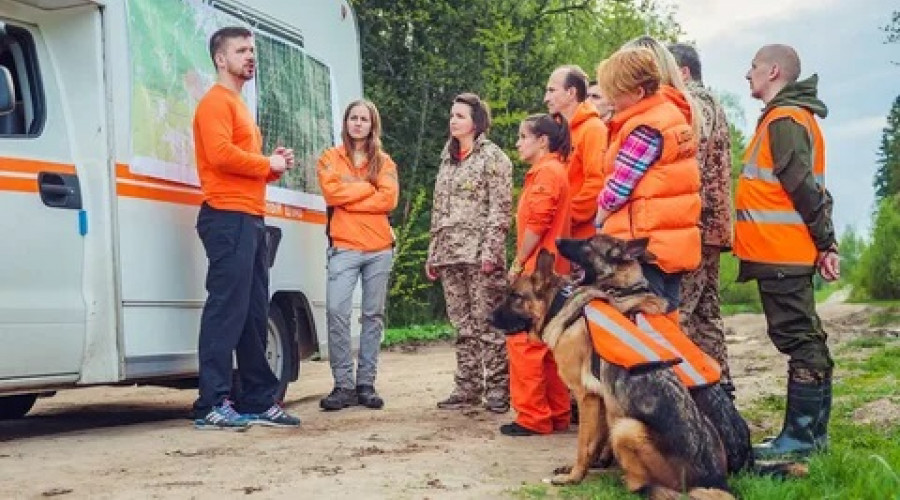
(805, 428)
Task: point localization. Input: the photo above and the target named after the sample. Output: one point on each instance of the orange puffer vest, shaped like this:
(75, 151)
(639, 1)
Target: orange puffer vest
(767, 227)
(665, 204)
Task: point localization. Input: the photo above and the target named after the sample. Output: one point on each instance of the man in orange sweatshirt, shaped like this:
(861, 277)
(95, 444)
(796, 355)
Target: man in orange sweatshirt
(566, 94)
(233, 175)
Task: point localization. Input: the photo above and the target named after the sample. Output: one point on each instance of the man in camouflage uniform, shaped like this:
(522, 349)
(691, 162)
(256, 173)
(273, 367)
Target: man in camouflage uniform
(700, 313)
(469, 225)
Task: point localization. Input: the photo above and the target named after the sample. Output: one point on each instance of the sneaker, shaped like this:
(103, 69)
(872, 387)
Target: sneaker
(367, 397)
(275, 416)
(457, 401)
(339, 399)
(223, 417)
(516, 430)
(497, 405)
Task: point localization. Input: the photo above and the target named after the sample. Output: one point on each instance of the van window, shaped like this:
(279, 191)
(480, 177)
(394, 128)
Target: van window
(294, 107)
(18, 55)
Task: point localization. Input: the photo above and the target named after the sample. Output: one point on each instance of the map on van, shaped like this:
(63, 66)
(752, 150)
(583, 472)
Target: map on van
(171, 71)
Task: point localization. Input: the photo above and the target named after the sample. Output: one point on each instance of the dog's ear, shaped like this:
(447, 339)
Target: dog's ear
(637, 250)
(545, 263)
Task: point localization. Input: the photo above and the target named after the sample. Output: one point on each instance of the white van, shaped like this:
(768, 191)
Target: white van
(101, 270)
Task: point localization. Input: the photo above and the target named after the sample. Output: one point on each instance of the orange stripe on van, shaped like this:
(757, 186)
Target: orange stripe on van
(158, 192)
(18, 184)
(154, 190)
(28, 166)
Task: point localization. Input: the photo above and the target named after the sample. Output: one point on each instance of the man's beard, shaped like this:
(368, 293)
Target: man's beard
(242, 72)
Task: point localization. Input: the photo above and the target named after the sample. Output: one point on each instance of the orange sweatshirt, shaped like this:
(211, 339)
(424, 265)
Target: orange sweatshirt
(589, 140)
(544, 209)
(228, 145)
(358, 210)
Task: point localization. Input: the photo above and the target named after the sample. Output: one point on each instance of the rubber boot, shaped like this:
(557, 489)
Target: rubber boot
(805, 423)
(821, 431)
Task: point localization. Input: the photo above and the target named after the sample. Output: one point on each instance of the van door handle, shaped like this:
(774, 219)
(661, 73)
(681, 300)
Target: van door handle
(59, 190)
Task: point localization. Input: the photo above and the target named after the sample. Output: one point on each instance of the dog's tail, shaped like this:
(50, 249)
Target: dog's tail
(662, 493)
(781, 470)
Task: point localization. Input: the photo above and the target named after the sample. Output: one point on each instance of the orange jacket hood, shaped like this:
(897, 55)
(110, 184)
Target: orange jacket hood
(675, 96)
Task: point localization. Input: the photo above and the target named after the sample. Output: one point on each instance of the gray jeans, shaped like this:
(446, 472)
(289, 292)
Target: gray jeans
(345, 269)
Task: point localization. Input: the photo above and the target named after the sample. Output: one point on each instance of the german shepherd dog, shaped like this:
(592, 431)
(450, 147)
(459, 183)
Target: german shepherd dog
(613, 266)
(660, 439)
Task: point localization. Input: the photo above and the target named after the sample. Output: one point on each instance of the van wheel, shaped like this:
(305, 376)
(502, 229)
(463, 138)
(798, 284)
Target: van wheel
(279, 350)
(12, 407)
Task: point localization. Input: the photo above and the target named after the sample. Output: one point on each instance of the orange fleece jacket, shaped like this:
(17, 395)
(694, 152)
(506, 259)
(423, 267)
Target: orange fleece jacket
(590, 138)
(228, 146)
(359, 209)
(544, 209)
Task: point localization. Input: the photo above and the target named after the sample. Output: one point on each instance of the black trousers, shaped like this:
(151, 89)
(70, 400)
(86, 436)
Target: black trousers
(236, 311)
(666, 285)
(793, 324)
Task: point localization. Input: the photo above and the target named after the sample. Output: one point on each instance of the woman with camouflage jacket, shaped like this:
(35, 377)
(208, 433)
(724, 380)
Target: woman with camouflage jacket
(469, 224)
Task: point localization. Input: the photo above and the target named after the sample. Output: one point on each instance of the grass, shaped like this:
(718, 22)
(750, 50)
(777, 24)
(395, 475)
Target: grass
(417, 334)
(863, 461)
(886, 316)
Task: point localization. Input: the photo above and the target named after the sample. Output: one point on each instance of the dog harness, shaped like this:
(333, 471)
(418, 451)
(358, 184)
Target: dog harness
(650, 342)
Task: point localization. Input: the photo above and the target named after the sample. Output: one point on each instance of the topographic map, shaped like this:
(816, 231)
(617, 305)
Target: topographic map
(171, 70)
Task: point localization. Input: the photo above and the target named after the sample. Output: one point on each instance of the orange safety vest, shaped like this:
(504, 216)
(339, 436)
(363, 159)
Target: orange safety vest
(697, 369)
(651, 341)
(665, 204)
(768, 229)
(618, 341)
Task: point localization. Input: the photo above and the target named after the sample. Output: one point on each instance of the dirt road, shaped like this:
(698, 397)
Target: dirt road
(136, 443)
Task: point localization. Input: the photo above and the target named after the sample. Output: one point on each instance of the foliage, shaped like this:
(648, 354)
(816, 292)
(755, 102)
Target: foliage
(893, 28)
(851, 248)
(887, 177)
(418, 54)
(417, 334)
(878, 270)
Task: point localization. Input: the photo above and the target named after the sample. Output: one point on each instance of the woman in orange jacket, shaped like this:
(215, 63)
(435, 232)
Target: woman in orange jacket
(538, 395)
(652, 179)
(359, 183)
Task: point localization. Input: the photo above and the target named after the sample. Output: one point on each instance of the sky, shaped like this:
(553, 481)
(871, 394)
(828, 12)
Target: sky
(838, 39)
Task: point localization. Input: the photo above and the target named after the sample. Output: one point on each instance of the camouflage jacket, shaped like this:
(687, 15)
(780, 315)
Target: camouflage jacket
(714, 158)
(472, 207)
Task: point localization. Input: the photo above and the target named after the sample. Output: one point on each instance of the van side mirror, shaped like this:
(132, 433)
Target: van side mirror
(7, 92)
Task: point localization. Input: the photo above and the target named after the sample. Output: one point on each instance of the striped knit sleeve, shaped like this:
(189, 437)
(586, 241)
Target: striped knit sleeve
(641, 148)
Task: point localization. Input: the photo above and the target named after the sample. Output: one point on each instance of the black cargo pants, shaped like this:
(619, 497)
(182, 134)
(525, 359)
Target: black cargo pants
(793, 324)
(236, 311)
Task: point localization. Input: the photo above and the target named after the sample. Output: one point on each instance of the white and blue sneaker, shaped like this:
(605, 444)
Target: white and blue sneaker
(223, 417)
(275, 416)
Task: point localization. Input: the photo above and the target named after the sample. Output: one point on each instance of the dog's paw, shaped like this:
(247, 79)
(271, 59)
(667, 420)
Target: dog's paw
(563, 479)
(565, 469)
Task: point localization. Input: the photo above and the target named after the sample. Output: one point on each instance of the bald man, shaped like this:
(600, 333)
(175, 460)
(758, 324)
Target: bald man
(784, 234)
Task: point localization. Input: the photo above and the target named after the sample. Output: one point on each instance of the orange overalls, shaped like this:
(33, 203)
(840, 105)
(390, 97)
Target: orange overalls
(537, 393)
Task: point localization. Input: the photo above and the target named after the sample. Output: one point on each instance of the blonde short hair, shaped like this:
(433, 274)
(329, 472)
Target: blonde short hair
(628, 70)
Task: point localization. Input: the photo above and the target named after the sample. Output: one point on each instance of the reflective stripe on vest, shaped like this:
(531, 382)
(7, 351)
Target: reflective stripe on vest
(697, 369)
(618, 341)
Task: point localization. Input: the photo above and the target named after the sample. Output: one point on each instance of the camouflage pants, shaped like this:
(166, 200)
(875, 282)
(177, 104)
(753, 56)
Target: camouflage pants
(700, 313)
(481, 363)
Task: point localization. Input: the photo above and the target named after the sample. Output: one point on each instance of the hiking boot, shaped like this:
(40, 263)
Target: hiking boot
(805, 428)
(367, 397)
(339, 399)
(275, 416)
(496, 404)
(223, 417)
(457, 401)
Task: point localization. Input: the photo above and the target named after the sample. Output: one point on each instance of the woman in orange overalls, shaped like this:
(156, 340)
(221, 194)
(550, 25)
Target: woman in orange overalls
(538, 395)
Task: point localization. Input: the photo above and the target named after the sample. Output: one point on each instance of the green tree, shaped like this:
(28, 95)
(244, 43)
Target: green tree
(852, 247)
(887, 177)
(418, 54)
(878, 275)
